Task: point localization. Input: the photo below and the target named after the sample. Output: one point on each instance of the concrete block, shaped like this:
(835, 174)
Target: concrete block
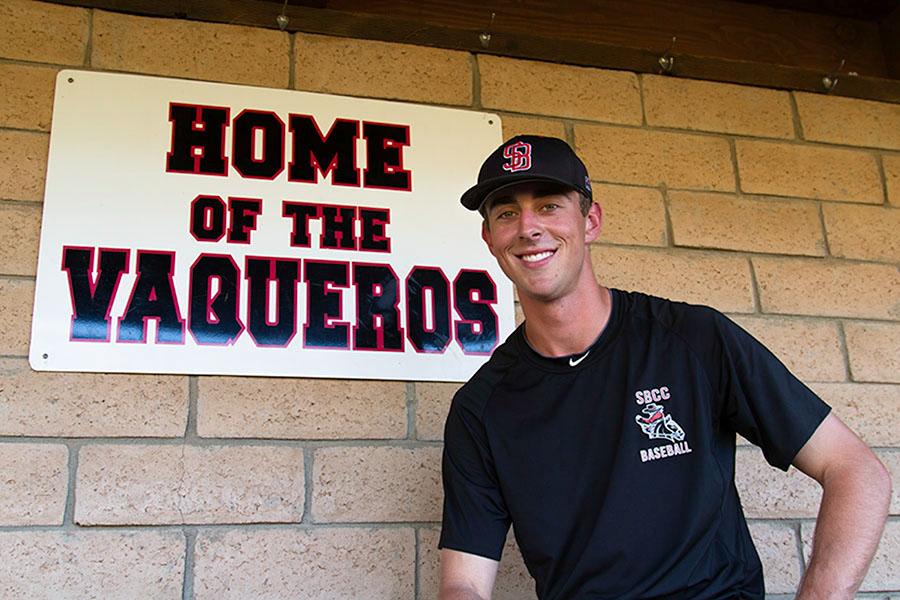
(300, 408)
(63, 404)
(34, 484)
(92, 565)
(849, 121)
(43, 32)
(190, 49)
(718, 280)
(272, 563)
(22, 236)
(868, 409)
(357, 67)
(544, 88)
(776, 545)
(646, 157)
(23, 165)
(713, 106)
(16, 301)
(874, 351)
(884, 572)
(432, 405)
(829, 288)
(808, 171)
(631, 215)
(864, 232)
(380, 483)
(26, 96)
(168, 484)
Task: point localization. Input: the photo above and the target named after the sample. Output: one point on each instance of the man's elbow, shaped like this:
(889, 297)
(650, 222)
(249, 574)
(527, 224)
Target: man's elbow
(459, 593)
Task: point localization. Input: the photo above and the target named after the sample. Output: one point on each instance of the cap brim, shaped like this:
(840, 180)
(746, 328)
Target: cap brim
(475, 196)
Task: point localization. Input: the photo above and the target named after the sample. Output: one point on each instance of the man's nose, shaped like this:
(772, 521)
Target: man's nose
(529, 224)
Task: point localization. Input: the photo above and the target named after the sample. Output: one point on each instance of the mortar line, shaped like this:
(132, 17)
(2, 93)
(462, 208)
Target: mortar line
(308, 466)
(411, 404)
(845, 351)
(795, 116)
(732, 149)
(190, 432)
(187, 584)
(476, 81)
(670, 229)
(223, 442)
(879, 162)
(418, 541)
(798, 541)
(69, 511)
(754, 288)
(821, 211)
(89, 46)
(292, 61)
(640, 78)
(570, 132)
(224, 527)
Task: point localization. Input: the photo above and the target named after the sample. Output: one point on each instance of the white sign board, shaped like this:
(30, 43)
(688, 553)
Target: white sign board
(192, 227)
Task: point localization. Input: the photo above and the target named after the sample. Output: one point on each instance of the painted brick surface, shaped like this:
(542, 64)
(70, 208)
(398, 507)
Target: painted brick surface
(26, 96)
(561, 90)
(805, 171)
(769, 493)
(865, 232)
(868, 409)
(23, 165)
(874, 351)
(270, 564)
(43, 32)
(709, 106)
(810, 348)
(777, 548)
(369, 484)
(631, 215)
(432, 405)
(678, 160)
(723, 221)
(162, 484)
(892, 178)
(717, 280)
(22, 234)
(828, 288)
(89, 404)
(34, 484)
(849, 121)
(884, 572)
(16, 299)
(891, 460)
(515, 125)
(382, 70)
(91, 565)
(513, 581)
(190, 49)
(300, 408)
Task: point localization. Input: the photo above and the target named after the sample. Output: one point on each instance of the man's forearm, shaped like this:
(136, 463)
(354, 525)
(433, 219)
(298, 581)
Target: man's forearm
(849, 525)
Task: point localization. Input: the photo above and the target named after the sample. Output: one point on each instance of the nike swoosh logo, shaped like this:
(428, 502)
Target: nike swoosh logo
(574, 363)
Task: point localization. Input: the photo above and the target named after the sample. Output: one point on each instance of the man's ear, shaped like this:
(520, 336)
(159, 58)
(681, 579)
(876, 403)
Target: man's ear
(593, 223)
(486, 236)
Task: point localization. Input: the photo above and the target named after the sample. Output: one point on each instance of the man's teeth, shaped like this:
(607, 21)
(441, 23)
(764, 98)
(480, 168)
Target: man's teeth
(536, 257)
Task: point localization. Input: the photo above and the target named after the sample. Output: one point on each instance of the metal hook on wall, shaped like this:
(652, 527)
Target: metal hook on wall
(485, 36)
(282, 20)
(830, 81)
(667, 61)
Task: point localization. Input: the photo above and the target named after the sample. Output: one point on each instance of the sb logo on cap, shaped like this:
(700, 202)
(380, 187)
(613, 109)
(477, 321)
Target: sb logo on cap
(518, 157)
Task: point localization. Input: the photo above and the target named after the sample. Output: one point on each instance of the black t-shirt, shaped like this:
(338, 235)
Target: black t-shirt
(616, 468)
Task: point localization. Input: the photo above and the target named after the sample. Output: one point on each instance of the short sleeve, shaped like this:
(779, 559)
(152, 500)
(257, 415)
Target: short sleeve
(475, 518)
(763, 401)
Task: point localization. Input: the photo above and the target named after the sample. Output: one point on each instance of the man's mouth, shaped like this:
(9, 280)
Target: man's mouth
(536, 256)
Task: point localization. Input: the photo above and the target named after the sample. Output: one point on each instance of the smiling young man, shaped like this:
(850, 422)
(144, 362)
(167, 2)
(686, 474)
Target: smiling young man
(604, 428)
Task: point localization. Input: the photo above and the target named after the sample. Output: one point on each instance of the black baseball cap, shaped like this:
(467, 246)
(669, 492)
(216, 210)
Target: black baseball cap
(528, 158)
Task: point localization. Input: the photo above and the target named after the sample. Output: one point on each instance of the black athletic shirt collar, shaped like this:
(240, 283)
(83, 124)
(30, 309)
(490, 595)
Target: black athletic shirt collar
(574, 362)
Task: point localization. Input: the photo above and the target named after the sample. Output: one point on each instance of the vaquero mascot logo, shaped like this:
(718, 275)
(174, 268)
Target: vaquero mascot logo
(658, 425)
(518, 157)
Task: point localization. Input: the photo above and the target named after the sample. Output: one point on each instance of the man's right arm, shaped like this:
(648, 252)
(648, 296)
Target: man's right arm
(466, 576)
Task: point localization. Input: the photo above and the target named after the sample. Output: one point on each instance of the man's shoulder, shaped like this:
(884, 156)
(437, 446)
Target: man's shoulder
(474, 394)
(683, 318)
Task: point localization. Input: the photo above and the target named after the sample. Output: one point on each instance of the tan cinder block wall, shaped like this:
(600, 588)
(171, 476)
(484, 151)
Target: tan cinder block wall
(781, 209)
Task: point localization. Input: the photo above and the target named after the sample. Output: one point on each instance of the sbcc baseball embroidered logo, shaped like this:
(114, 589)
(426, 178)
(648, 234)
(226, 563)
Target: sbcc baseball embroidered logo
(518, 157)
(658, 425)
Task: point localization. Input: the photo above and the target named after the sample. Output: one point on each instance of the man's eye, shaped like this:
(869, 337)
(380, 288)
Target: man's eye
(550, 206)
(505, 214)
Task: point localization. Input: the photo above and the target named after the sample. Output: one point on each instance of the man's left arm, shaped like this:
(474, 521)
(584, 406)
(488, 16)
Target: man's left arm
(856, 492)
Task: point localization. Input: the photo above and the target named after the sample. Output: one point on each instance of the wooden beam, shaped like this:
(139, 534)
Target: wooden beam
(532, 46)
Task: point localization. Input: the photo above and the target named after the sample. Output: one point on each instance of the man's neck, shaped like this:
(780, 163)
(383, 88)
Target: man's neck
(569, 325)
